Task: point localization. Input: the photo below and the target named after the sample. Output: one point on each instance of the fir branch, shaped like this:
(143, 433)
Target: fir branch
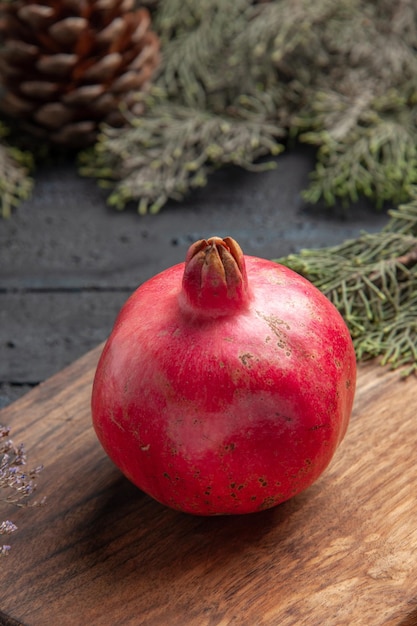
(372, 280)
(365, 150)
(172, 151)
(222, 102)
(340, 76)
(15, 182)
(207, 63)
(178, 18)
(215, 52)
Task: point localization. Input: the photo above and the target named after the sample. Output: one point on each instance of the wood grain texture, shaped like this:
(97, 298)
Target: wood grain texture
(100, 552)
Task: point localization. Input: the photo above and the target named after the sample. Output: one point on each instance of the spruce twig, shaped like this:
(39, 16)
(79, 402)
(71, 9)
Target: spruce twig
(371, 150)
(372, 280)
(296, 66)
(338, 75)
(222, 62)
(173, 151)
(15, 182)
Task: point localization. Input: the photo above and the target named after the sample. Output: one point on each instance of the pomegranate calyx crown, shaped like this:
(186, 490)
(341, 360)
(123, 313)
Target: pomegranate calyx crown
(215, 281)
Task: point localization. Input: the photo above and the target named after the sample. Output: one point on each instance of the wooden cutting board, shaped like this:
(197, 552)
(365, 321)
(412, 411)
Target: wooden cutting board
(101, 553)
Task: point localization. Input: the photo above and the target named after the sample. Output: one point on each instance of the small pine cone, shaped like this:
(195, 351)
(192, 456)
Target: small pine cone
(68, 65)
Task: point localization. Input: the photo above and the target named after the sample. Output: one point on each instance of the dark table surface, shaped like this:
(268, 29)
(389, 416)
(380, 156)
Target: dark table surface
(68, 261)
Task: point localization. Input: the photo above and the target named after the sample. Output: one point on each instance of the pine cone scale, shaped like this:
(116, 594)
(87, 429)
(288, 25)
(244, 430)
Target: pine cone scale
(75, 133)
(39, 89)
(128, 81)
(143, 23)
(68, 30)
(107, 5)
(53, 115)
(12, 104)
(111, 32)
(57, 64)
(35, 15)
(19, 51)
(83, 95)
(105, 104)
(104, 69)
(145, 56)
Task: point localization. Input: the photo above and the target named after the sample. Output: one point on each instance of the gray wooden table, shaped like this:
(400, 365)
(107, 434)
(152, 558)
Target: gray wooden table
(68, 261)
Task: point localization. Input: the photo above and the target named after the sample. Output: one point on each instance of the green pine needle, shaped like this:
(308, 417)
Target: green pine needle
(372, 280)
(173, 151)
(15, 182)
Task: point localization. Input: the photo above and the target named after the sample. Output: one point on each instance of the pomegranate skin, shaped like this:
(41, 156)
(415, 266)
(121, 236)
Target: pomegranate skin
(228, 414)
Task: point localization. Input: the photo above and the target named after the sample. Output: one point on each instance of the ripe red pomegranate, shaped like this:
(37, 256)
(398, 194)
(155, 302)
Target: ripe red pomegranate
(226, 385)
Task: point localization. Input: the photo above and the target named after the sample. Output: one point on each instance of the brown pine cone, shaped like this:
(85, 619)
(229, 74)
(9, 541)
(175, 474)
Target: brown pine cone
(68, 65)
